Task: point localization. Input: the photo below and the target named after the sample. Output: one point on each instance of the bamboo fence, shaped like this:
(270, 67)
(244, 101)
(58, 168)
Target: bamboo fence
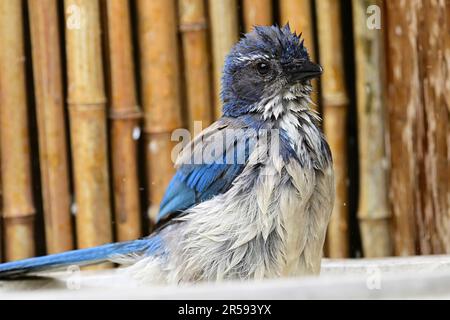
(335, 102)
(92, 155)
(18, 207)
(53, 149)
(87, 111)
(125, 115)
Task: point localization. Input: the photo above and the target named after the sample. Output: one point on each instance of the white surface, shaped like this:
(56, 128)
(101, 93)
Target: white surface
(392, 278)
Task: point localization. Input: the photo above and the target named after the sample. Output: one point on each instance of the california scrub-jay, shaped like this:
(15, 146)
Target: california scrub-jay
(253, 193)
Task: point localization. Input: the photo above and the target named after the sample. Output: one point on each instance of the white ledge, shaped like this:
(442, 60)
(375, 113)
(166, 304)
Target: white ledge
(391, 278)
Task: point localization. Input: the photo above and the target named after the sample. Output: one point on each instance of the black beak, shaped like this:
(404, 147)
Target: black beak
(303, 71)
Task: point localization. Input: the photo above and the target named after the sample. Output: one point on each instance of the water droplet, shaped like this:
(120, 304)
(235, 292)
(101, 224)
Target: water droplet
(73, 208)
(136, 133)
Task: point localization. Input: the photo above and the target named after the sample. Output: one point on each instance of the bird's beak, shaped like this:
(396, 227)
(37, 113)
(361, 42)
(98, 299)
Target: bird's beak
(304, 71)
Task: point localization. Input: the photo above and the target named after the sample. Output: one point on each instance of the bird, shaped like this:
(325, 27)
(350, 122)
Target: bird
(252, 194)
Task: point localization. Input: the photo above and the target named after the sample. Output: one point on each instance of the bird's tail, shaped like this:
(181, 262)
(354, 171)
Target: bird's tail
(80, 257)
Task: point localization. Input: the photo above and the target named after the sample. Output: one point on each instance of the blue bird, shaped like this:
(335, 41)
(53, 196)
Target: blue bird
(253, 193)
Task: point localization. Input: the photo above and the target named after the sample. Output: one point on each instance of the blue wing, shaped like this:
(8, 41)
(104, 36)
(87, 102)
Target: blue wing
(194, 181)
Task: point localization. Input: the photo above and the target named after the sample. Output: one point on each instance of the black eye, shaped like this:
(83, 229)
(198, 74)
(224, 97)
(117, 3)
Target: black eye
(263, 68)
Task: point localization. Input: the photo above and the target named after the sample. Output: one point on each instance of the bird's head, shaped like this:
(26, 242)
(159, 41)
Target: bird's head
(268, 63)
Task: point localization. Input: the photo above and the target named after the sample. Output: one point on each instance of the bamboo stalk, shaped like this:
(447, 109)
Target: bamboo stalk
(300, 17)
(419, 186)
(373, 212)
(1, 207)
(51, 124)
(2, 241)
(160, 92)
(403, 104)
(125, 115)
(224, 34)
(86, 99)
(432, 154)
(335, 104)
(18, 208)
(257, 13)
(447, 103)
(193, 26)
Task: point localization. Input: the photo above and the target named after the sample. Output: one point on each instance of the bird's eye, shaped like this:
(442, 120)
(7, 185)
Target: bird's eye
(263, 68)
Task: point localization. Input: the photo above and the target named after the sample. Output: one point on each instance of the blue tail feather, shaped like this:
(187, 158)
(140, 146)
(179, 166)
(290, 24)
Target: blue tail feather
(87, 256)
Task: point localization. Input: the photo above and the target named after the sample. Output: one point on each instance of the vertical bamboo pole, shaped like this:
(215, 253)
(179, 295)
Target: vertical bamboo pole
(86, 99)
(419, 186)
(18, 208)
(403, 105)
(224, 33)
(51, 124)
(432, 155)
(335, 104)
(257, 13)
(125, 115)
(193, 26)
(373, 211)
(300, 17)
(160, 92)
(1, 209)
(447, 103)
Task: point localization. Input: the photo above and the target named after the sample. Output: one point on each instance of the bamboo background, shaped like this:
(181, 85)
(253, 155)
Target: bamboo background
(91, 91)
